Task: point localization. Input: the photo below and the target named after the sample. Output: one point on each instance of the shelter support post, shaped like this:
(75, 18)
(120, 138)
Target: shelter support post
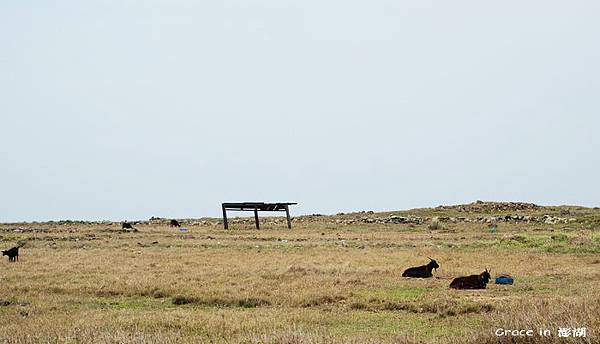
(256, 218)
(225, 217)
(287, 215)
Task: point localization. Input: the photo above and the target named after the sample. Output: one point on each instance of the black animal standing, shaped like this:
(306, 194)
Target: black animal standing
(472, 282)
(127, 225)
(174, 223)
(12, 253)
(423, 271)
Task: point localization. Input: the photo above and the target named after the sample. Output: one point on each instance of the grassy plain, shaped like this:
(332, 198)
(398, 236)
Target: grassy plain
(324, 281)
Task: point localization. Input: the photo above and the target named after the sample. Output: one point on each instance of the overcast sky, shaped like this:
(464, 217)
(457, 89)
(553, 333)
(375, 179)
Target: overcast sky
(128, 109)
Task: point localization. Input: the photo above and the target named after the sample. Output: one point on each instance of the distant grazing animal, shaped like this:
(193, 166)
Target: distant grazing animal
(472, 282)
(423, 271)
(126, 225)
(12, 253)
(174, 223)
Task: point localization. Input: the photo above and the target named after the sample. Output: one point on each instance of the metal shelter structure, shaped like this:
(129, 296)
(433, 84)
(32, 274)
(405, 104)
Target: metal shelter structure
(256, 207)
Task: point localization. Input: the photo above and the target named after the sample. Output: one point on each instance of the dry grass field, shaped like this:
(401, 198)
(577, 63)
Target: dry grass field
(331, 279)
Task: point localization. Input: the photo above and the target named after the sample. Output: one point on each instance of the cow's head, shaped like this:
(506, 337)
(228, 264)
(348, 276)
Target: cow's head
(433, 264)
(485, 276)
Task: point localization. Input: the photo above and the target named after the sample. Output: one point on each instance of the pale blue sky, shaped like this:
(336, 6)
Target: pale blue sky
(130, 109)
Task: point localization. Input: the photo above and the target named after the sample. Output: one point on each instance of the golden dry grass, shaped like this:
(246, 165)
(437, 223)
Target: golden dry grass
(321, 282)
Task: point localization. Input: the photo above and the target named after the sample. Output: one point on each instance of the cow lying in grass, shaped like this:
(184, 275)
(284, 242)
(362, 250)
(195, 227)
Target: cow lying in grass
(472, 282)
(174, 223)
(423, 271)
(12, 253)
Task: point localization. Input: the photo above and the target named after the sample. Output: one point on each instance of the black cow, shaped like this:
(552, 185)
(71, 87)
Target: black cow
(472, 282)
(423, 271)
(12, 253)
(174, 223)
(126, 225)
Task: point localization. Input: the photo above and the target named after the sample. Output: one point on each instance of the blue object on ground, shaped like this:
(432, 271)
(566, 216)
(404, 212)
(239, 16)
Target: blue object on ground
(504, 280)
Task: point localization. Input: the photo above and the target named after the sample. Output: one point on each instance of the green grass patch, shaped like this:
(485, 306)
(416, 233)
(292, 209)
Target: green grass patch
(367, 323)
(129, 303)
(402, 324)
(249, 302)
(554, 243)
(402, 293)
(592, 221)
(323, 300)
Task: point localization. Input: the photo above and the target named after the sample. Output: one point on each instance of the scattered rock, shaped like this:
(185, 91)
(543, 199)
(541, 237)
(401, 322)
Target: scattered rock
(490, 207)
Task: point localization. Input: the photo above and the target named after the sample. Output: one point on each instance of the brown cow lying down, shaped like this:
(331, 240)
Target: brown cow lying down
(472, 282)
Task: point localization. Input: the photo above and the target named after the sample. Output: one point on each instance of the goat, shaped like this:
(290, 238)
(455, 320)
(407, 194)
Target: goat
(423, 271)
(472, 282)
(12, 253)
(174, 223)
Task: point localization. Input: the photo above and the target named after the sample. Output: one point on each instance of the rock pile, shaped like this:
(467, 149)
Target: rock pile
(546, 219)
(490, 207)
(391, 219)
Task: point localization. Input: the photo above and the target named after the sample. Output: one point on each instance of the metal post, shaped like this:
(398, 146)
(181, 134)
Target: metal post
(224, 216)
(256, 218)
(287, 214)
